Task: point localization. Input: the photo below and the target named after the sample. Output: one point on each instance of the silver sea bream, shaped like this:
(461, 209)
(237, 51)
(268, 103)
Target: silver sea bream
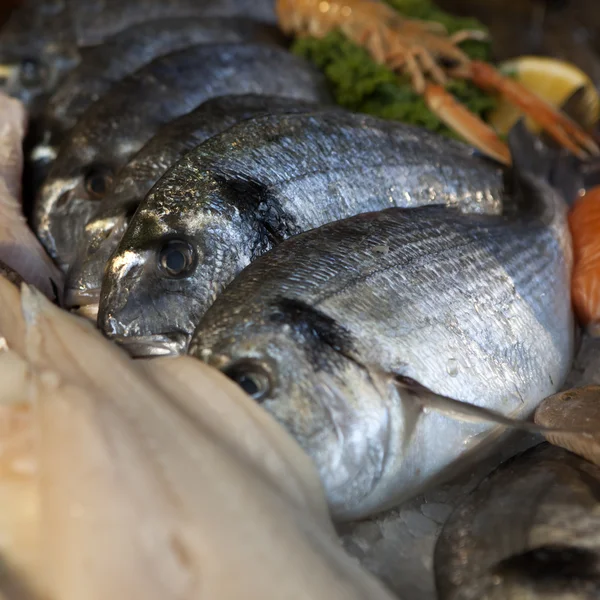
(240, 193)
(324, 329)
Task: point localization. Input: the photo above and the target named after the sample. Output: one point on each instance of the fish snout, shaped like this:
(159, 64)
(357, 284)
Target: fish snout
(152, 346)
(84, 279)
(83, 302)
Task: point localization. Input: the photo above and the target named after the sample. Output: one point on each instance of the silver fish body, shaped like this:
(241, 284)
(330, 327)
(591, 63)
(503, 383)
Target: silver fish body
(41, 40)
(113, 129)
(103, 65)
(239, 193)
(320, 330)
(104, 231)
(530, 530)
(106, 17)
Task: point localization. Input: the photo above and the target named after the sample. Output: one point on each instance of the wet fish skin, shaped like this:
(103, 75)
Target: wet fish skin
(530, 530)
(238, 194)
(104, 231)
(40, 41)
(125, 52)
(113, 129)
(323, 325)
(106, 17)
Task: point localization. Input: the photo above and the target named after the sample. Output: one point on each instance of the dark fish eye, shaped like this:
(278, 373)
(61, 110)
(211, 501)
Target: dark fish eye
(176, 258)
(30, 72)
(252, 377)
(97, 182)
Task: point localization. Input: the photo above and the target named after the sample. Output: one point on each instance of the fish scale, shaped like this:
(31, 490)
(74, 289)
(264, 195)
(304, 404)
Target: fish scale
(409, 311)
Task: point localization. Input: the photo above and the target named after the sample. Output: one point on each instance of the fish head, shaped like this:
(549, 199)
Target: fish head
(165, 273)
(297, 363)
(36, 50)
(77, 184)
(32, 78)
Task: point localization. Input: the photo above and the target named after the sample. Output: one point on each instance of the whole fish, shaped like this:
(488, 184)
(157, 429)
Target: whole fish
(530, 530)
(113, 129)
(239, 193)
(41, 40)
(104, 231)
(325, 329)
(20, 251)
(122, 54)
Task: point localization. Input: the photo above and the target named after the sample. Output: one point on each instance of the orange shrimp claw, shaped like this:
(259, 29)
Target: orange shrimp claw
(558, 125)
(468, 125)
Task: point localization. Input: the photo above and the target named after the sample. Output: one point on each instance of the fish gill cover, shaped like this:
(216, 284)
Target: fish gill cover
(362, 85)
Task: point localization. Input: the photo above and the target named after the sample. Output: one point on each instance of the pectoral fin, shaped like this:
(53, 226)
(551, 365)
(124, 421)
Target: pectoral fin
(464, 411)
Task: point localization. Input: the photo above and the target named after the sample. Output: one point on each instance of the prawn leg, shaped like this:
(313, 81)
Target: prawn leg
(468, 125)
(565, 131)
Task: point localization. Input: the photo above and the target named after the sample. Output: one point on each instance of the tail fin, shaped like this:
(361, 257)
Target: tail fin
(535, 166)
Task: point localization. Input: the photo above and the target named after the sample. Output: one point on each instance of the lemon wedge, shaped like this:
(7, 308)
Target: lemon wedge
(554, 81)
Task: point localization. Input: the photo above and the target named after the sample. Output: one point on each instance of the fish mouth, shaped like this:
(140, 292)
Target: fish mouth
(84, 303)
(152, 346)
(77, 298)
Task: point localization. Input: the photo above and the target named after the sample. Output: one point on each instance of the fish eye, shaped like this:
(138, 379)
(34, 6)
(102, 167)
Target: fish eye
(97, 182)
(176, 258)
(30, 73)
(252, 377)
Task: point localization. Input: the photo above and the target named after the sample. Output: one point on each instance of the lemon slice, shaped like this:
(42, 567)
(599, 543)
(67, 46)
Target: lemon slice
(554, 81)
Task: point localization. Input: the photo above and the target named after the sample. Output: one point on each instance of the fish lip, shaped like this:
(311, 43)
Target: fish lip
(89, 311)
(74, 298)
(153, 345)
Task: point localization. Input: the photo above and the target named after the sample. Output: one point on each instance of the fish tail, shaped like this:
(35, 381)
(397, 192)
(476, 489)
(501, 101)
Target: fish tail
(543, 180)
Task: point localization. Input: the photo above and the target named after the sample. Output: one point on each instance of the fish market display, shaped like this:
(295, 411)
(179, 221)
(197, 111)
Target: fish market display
(41, 40)
(430, 56)
(119, 124)
(239, 193)
(104, 231)
(118, 56)
(375, 315)
(320, 330)
(19, 248)
(152, 474)
(574, 410)
(530, 530)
